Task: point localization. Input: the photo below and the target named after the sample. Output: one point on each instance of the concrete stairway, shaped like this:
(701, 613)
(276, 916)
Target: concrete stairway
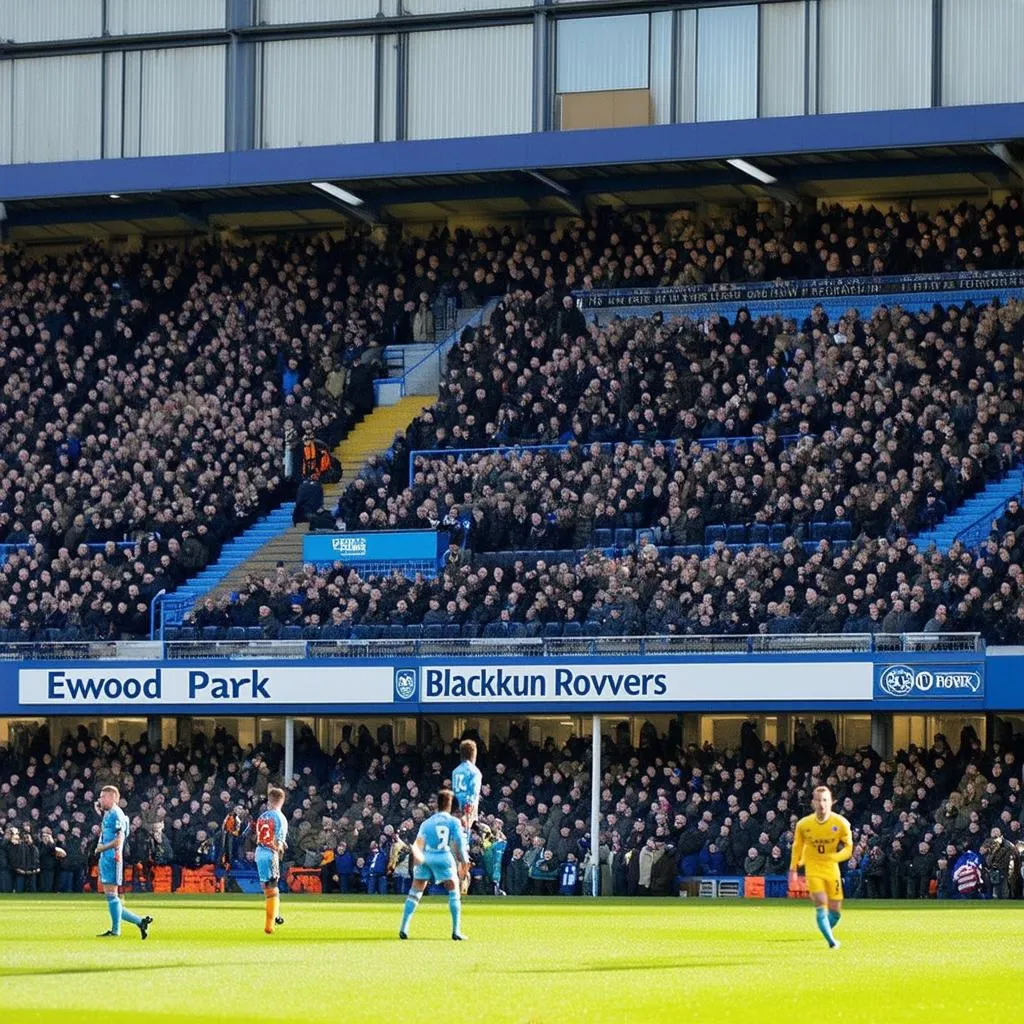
(985, 506)
(371, 437)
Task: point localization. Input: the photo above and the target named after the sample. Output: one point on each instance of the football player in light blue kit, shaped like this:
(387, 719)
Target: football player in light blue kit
(432, 855)
(110, 850)
(466, 785)
(271, 829)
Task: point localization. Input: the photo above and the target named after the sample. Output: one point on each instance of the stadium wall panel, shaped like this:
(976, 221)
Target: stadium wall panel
(458, 6)
(727, 63)
(662, 67)
(56, 108)
(601, 54)
(288, 12)
(874, 55)
(25, 22)
(387, 125)
(686, 62)
(318, 92)
(467, 82)
(783, 41)
(6, 137)
(182, 101)
(982, 51)
(136, 17)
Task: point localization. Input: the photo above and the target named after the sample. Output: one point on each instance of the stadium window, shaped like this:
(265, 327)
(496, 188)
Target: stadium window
(127, 729)
(854, 732)
(907, 730)
(951, 726)
(18, 733)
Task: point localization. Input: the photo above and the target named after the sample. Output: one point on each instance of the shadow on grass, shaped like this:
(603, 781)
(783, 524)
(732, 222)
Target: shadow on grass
(111, 968)
(610, 966)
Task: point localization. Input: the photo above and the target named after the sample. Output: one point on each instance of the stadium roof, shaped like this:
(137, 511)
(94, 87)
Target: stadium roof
(945, 151)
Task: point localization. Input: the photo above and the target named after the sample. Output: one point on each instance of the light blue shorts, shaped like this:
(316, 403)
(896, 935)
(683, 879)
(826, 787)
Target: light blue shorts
(111, 868)
(268, 864)
(436, 869)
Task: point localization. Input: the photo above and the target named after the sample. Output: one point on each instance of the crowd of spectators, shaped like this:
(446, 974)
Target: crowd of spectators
(877, 586)
(150, 396)
(667, 809)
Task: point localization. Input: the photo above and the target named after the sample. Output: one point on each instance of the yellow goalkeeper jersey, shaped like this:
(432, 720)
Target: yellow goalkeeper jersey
(816, 843)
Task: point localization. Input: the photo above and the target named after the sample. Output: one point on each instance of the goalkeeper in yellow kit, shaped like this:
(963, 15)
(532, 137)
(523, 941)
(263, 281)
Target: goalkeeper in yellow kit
(821, 842)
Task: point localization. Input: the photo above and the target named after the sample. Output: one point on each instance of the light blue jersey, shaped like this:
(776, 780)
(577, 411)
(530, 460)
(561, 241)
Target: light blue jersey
(271, 829)
(111, 863)
(439, 832)
(466, 783)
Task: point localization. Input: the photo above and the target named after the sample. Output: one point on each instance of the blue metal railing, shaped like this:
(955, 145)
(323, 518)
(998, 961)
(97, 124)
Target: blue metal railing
(438, 353)
(977, 532)
(514, 449)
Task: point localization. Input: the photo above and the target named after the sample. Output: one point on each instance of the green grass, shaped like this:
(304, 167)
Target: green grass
(566, 961)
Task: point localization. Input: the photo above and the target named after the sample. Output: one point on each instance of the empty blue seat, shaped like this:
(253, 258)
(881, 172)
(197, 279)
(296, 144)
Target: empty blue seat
(820, 531)
(362, 632)
(434, 631)
(187, 633)
(553, 629)
(291, 633)
(713, 534)
(470, 630)
(689, 550)
(210, 632)
(572, 629)
(452, 631)
(778, 533)
(532, 629)
(602, 538)
(842, 530)
(236, 632)
(624, 538)
(736, 534)
(253, 633)
(415, 631)
(396, 632)
(759, 533)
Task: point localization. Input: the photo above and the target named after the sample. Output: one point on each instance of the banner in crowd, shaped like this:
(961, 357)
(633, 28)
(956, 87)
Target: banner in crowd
(385, 546)
(826, 288)
(247, 684)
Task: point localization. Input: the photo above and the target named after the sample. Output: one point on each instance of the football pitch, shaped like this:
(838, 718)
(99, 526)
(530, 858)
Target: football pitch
(559, 960)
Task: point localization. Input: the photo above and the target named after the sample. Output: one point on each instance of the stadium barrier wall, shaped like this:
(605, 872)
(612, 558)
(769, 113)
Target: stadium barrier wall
(897, 681)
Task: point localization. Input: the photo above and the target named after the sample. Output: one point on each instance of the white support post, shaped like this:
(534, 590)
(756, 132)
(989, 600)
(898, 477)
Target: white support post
(595, 805)
(289, 749)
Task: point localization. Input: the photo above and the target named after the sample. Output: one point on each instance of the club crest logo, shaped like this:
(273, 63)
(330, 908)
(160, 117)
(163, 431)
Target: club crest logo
(897, 681)
(406, 683)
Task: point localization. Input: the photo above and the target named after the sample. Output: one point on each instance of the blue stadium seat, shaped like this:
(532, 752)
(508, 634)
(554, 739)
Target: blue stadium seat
(433, 632)
(778, 533)
(291, 633)
(189, 632)
(759, 533)
(736, 535)
(211, 633)
(171, 634)
(603, 538)
(395, 632)
(713, 534)
(470, 630)
(452, 631)
(842, 530)
(236, 632)
(253, 633)
(624, 538)
(688, 550)
(362, 632)
(645, 531)
(553, 629)
(820, 531)
(573, 629)
(415, 631)
(532, 629)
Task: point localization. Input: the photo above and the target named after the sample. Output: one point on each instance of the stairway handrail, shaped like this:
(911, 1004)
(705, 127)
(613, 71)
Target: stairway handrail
(982, 526)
